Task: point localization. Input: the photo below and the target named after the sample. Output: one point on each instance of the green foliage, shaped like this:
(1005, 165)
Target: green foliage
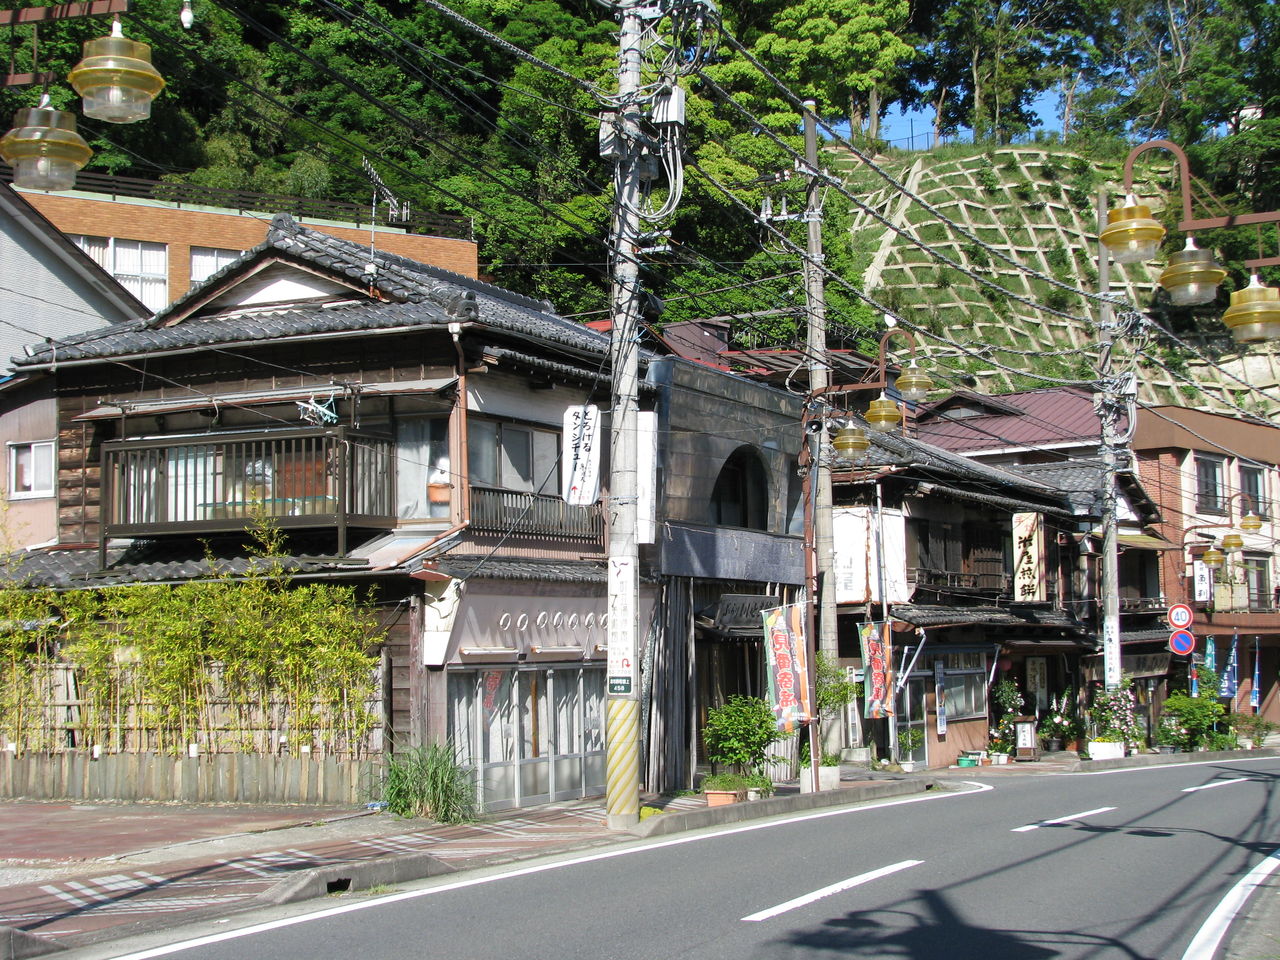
(739, 733)
(1005, 695)
(1112, 715)
(835, 690)
(761, 782)
(910, 739)
(1253, 727)
(1194, 717)
(725, 781)
(428, 782)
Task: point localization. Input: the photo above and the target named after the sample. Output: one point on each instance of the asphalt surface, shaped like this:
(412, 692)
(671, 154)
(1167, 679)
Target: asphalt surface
(75, 875)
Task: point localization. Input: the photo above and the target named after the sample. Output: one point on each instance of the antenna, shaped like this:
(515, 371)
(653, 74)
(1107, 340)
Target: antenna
(397, 212)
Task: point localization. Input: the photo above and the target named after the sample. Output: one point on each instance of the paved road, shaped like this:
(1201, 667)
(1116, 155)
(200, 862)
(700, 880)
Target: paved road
(1126, 864)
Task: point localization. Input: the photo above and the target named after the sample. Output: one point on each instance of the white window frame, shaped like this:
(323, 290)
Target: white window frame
(34, 446)
(221, 257)
(152, 288)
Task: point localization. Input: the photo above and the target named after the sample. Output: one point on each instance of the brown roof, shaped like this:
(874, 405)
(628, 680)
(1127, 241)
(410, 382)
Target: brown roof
(1180, 428)
(1031, 418)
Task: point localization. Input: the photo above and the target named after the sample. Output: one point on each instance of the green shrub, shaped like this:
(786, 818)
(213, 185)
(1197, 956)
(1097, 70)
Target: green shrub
(1197, 716)
(739, 733)
(1252, 727)
(725, 781)
(428, 782)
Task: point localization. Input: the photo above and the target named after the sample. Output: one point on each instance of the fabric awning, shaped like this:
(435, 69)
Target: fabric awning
(1144, 541)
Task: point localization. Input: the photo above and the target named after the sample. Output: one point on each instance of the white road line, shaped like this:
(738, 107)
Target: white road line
(256, 928)
(1214, 783)
(1165, 766)
(809, 898)
(1075, 816)
(1205, 943)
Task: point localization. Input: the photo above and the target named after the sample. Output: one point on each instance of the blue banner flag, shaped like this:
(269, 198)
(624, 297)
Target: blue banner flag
(1230, 682)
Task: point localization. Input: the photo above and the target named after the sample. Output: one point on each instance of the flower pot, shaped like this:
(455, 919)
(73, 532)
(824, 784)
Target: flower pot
(828, 779)
(720, 798)
(753, 793)
(1052, 744)
(1105, 750)
(1167, 748)
(999, 758)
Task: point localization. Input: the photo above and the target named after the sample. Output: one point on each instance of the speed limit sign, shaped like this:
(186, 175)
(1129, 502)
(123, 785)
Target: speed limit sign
(1180, 616)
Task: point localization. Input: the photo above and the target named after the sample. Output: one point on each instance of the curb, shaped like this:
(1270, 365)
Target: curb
(352, 875)
(1160, 759)
(18, 945)
(667, 823)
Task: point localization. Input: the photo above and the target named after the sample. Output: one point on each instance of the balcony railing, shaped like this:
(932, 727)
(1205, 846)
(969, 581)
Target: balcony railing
(533, 515)
(205, 484)
(998, 583)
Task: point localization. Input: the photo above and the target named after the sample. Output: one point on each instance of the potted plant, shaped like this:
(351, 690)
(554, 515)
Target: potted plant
(828, 770)
(910, 739)
(1196, 716)
(1001, 740)
(1058, 725)
(739, 733)
(724, 788)
(1114, 726)
(1252, 728)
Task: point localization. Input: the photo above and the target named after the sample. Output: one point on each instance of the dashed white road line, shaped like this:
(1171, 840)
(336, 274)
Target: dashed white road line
(1214, 783)
(1204, 946)
(809, 898)
(1067, 819)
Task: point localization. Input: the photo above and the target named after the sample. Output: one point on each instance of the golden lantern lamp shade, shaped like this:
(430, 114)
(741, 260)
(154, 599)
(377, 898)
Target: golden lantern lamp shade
(1251, 522)
(1254, 314)
(116, 78)
(44, 149)
(913, 384)
(1192, 276)
(1233, 541)
(851, 443)
(1212, 558)
(882, 414)
(1131, 235)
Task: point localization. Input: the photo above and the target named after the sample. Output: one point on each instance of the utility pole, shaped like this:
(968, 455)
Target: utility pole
(823, 598)
(1108, 407)
(622, 717)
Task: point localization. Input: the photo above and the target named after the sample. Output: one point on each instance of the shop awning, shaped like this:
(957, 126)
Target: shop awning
(1144, 541)
(930, 615)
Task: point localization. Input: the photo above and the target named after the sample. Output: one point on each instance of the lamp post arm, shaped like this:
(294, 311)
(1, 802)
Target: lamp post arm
(884, 353)
(1184, 172)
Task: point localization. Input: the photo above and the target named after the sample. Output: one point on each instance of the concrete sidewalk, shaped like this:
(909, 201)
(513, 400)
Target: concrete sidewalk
(75, 874)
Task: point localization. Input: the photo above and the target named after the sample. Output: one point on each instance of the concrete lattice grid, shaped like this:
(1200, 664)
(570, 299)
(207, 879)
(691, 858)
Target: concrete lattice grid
(1038, 206)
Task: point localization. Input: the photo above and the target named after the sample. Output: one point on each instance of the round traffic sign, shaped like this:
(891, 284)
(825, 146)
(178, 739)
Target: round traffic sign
(1182, 641)
(1180, 616)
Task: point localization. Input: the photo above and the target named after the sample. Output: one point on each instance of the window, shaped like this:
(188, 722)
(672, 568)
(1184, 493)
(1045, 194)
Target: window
(142, 268)
(423, 481)
(513, 457)
(30, 470)
(964, 683)
(740, 497)
(206, 261)
(1257, 575)
(1253, 491)
(1209, 492)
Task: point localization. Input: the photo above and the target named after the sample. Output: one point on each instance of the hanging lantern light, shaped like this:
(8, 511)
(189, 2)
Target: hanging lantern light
(1233, 541)
(1213, 558)
(1251, 522)
(44, 149)
(116, 78)
(851, 443)
(1192, 276)
(1254, 314)
(882, 415)
(1131, 235)
(913, 384)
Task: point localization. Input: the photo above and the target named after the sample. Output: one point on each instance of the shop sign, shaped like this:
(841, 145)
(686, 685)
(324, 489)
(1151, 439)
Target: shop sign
(877, 666)
(621, 664)
(581, 444)
(788, 665)
(1203, 579)
(1028, 554)
(940, 694)
(1038, 681)
(1146, 664)
(739, 611)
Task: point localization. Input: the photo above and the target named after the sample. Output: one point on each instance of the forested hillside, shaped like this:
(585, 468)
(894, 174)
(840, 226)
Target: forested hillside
(489, 108)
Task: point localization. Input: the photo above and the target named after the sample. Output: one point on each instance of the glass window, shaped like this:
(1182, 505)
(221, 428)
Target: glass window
(31, 470)
(1209, 490)
(498, 740)
(513, 457)
(423, 479)
(1253, 492)
(462, 698)
(141, 267)
(964, 683)
(206, 261)
(1257, 575)
(565, 690)
(534, 729)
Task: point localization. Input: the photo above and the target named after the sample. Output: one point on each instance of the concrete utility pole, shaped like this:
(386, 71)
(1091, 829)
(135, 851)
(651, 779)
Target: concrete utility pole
(819, 380)
(1108, 407)
(622, 719)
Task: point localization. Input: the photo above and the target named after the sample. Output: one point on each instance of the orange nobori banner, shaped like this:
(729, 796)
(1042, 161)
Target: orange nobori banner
(788, 665)
(877, 670)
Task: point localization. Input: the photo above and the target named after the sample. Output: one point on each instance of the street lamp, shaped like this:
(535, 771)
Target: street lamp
(1192, 276)
(116, 78)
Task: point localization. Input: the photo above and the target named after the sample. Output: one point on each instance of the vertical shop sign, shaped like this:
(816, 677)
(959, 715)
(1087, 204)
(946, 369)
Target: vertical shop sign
(877, 669)
(1257, 676)
(1230, 676)
(788, 665)
(940, 694)
(1038, 681)
(1028, 557)
(1203, 578)
(580, 442)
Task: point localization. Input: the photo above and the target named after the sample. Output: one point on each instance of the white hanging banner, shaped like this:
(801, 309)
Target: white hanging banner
(1203, 578)
(581, 445)
(646, 476)
(1028, 558)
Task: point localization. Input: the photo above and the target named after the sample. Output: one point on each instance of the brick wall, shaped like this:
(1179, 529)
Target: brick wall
(181, 229)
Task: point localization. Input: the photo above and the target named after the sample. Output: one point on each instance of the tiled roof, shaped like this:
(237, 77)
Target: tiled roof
(1081, 481)
(1053, 416)
(484, 567)
(930, 615)
(419, 295)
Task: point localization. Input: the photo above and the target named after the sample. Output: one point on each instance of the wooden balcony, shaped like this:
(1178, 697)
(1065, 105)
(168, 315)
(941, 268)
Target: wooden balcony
(525, 515)
(309, 478)
(1000, 584)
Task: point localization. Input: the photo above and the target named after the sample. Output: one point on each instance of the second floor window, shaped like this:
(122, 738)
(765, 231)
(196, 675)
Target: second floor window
(513, 456)
(1253, 491)
(1257, 575)
(1209, 491)
(141, 267)
(206, 261)
(31, 472)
